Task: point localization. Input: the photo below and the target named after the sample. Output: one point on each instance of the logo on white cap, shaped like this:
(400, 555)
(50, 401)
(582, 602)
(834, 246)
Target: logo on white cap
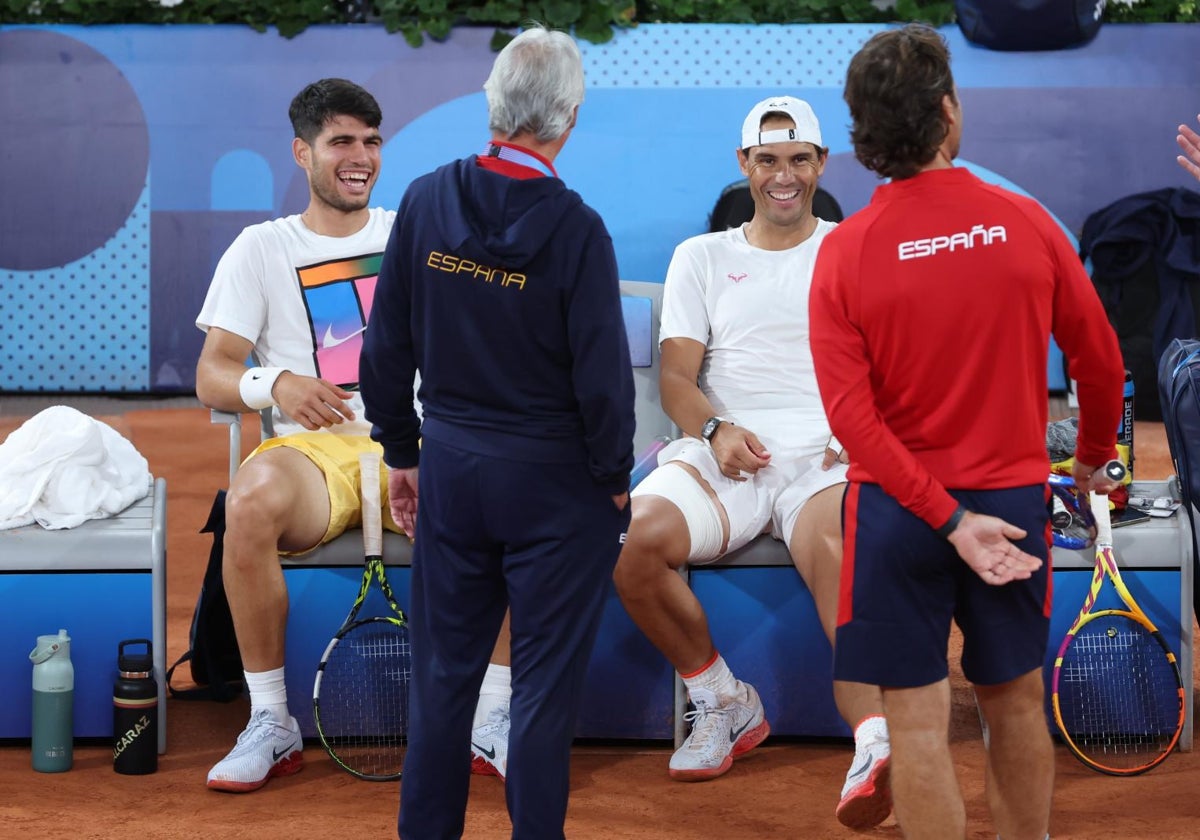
(807, 129)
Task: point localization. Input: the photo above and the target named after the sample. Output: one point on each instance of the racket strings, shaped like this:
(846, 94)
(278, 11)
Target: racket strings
(1118, 694)
(362, 703)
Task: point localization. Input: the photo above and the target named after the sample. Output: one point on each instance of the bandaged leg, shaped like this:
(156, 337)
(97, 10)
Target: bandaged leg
(678, 486)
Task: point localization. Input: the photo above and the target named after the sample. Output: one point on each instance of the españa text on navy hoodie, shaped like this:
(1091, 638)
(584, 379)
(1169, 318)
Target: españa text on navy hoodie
(503, 293)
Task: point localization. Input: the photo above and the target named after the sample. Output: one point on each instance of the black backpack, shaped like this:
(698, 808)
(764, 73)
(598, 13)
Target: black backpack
(735, 206)
(212, 644)
(1014, 25)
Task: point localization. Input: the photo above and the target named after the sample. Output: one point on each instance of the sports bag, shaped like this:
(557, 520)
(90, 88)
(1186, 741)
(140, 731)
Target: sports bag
(1015, 25)
(1179, 390)
(216, 663)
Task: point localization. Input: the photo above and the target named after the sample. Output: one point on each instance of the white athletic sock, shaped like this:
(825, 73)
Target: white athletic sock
(495, 693)
(716, 678)
(267, 691)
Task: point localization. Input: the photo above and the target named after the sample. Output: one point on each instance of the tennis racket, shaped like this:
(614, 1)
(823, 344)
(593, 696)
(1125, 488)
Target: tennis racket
(1116, 690)
(360, 696)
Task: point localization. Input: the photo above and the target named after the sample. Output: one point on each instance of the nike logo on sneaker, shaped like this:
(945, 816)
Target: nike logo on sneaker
(330, 340)
(490, 755)
(862, 768)
(735, 733)
(278, 754)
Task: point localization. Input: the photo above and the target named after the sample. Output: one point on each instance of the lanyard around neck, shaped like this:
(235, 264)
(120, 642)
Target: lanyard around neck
(519, 157)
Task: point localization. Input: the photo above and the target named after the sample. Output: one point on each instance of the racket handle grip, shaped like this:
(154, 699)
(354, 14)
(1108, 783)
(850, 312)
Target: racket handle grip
(372, 516)
(1115, 470)
(1102, 517)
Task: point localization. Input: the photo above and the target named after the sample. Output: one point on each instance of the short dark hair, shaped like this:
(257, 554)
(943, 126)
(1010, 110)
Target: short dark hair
(323, 100)
(895, 86)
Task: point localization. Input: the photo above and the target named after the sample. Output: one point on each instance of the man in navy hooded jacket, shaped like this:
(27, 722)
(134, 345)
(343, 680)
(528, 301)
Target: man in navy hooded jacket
(499, 286)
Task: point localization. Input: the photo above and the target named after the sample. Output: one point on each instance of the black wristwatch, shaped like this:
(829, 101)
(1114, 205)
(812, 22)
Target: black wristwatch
(946, 530)
(710, 427)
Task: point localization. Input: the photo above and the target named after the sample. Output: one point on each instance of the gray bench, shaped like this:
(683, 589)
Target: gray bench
(87, 580)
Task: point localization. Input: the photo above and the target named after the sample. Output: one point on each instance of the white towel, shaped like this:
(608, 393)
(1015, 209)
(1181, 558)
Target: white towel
(61, 468)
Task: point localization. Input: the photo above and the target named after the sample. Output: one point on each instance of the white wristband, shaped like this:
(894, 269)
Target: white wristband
(256, 384)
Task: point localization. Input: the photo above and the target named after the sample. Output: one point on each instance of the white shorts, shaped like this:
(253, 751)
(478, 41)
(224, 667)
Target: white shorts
(772, 497)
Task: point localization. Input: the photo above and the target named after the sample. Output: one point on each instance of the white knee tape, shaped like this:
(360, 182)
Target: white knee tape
(675, 484)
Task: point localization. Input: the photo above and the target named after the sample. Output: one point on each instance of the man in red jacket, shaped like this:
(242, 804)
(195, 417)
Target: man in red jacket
(931, 313)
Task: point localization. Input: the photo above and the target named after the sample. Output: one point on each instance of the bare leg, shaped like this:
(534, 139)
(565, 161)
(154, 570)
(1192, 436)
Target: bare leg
(647, 578)
(928, 801)
(1020, 768)
(501, 654)
(277, 501)
(816, 547)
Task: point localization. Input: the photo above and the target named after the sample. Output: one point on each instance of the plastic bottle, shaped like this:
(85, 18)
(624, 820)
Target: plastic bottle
(53, 704)
(1125, 428)
(135, 711)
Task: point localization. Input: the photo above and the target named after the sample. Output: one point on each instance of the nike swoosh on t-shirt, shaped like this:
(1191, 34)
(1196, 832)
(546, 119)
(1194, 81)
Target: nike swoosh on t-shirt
(330, 340)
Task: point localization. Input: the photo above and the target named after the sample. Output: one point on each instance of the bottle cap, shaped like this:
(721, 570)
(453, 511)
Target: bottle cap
(135, 661)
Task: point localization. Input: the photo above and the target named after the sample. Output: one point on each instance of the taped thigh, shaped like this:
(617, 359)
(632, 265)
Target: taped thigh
(675, 484)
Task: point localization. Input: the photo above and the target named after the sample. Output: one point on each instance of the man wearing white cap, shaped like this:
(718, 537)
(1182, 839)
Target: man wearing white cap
(737, 378)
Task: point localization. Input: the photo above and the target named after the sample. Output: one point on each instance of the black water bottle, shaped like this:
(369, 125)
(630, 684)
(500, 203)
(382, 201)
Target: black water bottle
(135, 711)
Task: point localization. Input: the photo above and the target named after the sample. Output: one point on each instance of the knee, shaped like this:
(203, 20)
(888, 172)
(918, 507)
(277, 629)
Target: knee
(651, 551)
(254, 509)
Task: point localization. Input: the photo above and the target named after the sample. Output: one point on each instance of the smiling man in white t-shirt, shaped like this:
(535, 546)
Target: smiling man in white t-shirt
(737, 378)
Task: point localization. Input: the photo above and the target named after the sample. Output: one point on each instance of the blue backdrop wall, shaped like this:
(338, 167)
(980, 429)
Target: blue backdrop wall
(131, 156)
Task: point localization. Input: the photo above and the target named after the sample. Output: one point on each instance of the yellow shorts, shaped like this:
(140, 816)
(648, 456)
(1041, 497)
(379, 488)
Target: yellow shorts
(337, 457)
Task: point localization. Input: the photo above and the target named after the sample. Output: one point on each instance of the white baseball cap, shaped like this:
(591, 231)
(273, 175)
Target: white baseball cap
(807, 129)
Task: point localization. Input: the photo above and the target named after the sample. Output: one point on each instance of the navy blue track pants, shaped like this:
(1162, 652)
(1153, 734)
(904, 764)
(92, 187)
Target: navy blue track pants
(491, 533)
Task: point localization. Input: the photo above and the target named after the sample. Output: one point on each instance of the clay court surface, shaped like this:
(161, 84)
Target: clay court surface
(781, 790)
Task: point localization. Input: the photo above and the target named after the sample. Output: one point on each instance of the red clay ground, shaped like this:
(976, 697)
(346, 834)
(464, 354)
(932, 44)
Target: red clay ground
(781, 790)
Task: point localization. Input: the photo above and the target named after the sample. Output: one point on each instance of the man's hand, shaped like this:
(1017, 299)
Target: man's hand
(984, 543)
(738, 451)
(834, 456)
(1092, 479)
(1189, 142)
(311, 402)
(402, 498)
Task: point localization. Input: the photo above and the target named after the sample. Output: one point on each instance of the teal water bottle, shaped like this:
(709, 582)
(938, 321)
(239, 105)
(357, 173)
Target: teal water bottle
(53, 703)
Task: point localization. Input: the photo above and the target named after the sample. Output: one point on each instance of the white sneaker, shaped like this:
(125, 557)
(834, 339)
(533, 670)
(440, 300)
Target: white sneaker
(866, 797)
(489, 744)
(265, 748)
(720, 733)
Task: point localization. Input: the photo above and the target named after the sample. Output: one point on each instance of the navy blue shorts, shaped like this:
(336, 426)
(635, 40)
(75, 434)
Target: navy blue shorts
(902, 584)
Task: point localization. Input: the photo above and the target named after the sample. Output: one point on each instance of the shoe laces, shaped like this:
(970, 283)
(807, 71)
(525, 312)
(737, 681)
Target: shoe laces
(262, 724)
(707, 724)
(498, 723)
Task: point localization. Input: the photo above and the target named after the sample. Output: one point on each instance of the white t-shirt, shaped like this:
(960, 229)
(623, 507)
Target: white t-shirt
(749, 307)
(302, 299)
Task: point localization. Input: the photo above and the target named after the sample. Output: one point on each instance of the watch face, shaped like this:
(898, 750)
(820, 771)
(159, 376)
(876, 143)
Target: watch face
(710, 427)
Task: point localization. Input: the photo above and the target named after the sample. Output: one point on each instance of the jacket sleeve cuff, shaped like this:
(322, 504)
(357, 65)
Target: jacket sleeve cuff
(1097, 457)
(401, 457)
(617, 486)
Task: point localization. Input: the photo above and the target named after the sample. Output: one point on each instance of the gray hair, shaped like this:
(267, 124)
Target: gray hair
(535, 85)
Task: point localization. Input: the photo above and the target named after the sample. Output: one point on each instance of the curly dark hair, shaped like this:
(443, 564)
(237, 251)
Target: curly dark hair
(323, 100)
(894, 87)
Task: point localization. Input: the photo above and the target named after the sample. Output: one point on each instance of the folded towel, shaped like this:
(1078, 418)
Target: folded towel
(61, 468)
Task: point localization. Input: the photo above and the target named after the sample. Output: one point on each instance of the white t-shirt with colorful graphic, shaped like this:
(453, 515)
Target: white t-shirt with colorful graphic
(302, 299)
(749, 307)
